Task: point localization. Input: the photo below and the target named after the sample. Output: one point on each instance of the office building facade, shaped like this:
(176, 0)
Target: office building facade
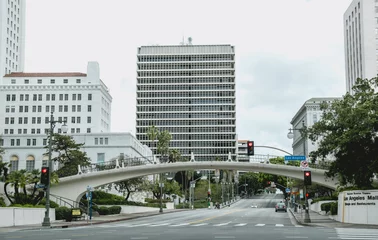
(189, 90)
(360, 41)
(12, 36)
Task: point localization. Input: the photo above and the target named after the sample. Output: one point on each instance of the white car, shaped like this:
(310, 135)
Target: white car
(254, 206)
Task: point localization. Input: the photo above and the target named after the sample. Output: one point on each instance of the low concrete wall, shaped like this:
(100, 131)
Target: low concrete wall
(23, 216)
(316, 207)
(138, 209)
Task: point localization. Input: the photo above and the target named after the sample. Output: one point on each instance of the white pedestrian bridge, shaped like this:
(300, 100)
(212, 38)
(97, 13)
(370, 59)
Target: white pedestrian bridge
(74, 187)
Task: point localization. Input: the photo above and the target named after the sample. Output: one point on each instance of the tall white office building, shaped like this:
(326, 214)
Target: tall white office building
(189, 90)
(360, 41)
(12, 36)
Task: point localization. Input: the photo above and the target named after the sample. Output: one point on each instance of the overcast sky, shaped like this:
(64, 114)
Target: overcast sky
(287, 51)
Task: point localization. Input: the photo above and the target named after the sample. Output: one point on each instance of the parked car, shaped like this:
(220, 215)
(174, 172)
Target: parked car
(281, 207)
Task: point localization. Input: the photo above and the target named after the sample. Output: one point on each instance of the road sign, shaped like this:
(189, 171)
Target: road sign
(287, 190)
(295, 158)
(40, 186)
(304, 164)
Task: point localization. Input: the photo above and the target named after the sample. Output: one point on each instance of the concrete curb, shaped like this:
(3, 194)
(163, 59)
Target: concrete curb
(297, 220)
(101, 222)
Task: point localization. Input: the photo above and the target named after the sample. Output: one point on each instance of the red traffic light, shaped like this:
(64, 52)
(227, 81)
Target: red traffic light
(307, 194)
(44, 170)
(250, 144)
(307, 174)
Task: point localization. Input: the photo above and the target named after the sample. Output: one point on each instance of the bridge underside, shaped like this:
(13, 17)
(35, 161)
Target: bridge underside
(74, 187)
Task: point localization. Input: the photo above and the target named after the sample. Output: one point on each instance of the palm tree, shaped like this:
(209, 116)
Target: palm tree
(163, 143)
(152, 134)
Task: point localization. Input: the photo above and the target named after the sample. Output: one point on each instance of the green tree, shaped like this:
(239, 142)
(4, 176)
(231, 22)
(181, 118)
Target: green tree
(129, 186)
(252, 181)
(164, 138)
(348, 131)
(174, 155)
(170, 187)
(69, 154)
(152, 134)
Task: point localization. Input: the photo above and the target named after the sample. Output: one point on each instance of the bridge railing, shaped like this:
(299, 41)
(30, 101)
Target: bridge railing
(116, 163)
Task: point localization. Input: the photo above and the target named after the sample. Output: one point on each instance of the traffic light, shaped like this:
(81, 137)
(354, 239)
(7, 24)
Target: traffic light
(307, 195)
(45, 180)
(307, 178)
(250, 148)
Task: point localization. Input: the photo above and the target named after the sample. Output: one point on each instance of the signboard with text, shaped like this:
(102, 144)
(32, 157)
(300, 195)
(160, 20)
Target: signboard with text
(295, 158)
(358, 206)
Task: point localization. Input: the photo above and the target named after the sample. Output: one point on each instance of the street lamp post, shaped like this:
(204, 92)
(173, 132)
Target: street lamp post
(161, 193)
(290, 135)
(46, 220)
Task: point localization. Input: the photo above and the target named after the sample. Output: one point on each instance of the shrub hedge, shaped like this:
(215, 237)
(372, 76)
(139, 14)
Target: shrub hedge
(330, 207)
(326, 198)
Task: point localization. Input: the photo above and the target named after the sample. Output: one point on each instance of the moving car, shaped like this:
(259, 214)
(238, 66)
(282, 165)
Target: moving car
(281, 207)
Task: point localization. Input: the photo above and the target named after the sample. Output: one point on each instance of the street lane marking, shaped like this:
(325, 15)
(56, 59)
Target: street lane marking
(221, 224)
(260, 225)
(202, 220)
(200, 224)
(138, 225)
(224, 237)
(297, 237)
(139, 238)
(181, 224)
(279, 225)
(298, 226)
(240, 224)
(158, 225)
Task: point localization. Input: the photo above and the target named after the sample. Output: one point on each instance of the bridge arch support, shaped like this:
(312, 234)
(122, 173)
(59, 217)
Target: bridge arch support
(74, 187)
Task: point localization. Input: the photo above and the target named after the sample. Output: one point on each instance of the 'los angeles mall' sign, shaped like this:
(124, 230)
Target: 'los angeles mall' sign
(358, 206)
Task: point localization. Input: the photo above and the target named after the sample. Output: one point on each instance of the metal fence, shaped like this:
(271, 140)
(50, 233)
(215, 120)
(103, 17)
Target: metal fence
(117, 162)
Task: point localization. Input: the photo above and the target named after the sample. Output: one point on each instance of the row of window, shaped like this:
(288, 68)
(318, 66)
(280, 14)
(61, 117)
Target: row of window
(61, 108)
(191, 108)
(193, 81)
(206, 151)
(186, 58)
(48, 97)
(38, 131)
(38, 120)
(213, 122)
(181, 87)
(182, 73)
(141, 130)
(230, 100)
(172, 66)
(212, 115)
(186, 94)
(195, 137)
(40, 81)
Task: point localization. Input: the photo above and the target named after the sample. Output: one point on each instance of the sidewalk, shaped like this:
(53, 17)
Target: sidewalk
(95, 220)
(318, 220)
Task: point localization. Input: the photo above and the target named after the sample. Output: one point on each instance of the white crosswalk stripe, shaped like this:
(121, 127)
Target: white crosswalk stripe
(240, 224)
(260, 225)
(221, 224)
(172, 224)
(356, 233)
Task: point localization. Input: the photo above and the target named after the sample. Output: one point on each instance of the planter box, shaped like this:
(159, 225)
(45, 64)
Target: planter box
(23, 216)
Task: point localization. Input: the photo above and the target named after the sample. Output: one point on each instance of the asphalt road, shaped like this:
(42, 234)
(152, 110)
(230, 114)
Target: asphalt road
(239, 221)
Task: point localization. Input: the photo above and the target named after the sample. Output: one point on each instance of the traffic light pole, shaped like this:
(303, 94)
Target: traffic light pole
(307, 214)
